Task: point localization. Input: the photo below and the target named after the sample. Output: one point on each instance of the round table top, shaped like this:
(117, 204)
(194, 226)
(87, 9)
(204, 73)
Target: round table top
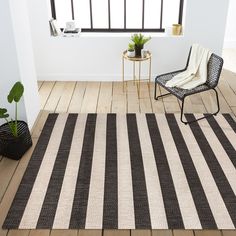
(149, 55)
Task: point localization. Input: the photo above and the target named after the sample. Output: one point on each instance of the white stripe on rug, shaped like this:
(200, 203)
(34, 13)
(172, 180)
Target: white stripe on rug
(94, 217)
(34, 205)
(222, 157)
(63, 213)
(155, 199)
(229, 132)
(126, 218)
(215, 200)
(186, 203)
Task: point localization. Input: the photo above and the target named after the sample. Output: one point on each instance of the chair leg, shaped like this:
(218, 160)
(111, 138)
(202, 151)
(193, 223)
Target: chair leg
(215, 113)
(160, 96)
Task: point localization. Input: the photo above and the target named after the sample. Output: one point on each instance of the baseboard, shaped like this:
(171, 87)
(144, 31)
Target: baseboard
(74, 77)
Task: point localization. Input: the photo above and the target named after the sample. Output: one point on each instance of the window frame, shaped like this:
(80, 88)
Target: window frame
(121, 30)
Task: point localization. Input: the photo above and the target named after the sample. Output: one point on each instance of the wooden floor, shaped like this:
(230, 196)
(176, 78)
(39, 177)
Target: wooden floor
(103, 98)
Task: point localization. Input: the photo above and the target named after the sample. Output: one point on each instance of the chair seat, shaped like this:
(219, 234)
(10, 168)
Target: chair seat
(179, 92)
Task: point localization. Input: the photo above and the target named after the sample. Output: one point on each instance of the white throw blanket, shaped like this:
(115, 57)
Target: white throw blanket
(196, 73)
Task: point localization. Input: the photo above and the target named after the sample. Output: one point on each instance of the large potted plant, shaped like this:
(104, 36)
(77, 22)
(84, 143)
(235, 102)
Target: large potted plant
(139, 41)
(15, 138)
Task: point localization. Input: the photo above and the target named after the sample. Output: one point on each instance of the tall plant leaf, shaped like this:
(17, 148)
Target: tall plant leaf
(16, 92)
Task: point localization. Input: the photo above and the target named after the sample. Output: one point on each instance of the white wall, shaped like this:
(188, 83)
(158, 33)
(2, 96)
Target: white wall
(98, 57)
(16, 58)
(230, 34)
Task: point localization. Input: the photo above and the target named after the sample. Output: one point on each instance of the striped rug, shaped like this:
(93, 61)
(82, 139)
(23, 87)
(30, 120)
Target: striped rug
(132, 171)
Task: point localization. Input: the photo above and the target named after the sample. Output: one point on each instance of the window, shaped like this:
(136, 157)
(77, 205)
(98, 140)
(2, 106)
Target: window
(118, 15)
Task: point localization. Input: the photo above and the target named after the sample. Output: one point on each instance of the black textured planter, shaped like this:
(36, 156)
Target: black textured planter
(138, 51)
(14, 147)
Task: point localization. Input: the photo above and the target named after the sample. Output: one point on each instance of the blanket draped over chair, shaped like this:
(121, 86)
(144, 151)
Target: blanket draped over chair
(196, 73)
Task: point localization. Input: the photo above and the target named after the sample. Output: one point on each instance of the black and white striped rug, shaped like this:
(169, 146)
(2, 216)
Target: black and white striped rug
(132, 171)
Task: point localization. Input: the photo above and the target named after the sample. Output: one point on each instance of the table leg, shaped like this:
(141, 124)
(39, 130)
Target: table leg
(150, 72)
(134, 72)
(139, 75)
(123, 72)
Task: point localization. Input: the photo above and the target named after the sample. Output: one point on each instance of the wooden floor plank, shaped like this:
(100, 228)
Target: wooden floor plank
(116, 233)
(162, 233)
(207, 233)
(68, 232)
(171, 103)
(144, 101)
(38, 232)
(224, 107)
(229, 232)
(119, 99)
(40, 83)
(132, 97)
(105, 98)
(209, 101)
(18, 233)
(40, 123)
(66, 96)
(77, 97)
(45, 92)
(140, 232)
(183, 233)
(196, 99)
(87, 232)
(55, 96)
(7, 169)
(90, 100)
(227, 92)
(157, 105)
(230, 77)
(234, 110)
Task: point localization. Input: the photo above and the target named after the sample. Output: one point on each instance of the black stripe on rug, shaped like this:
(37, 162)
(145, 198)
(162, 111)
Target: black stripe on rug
(173, 214)
(141, 206)
(49, 206)
(202, 206)
(80, 203)
(231, 121)
(110, 209)
(16, 211)
(226, 144)
(215, 168)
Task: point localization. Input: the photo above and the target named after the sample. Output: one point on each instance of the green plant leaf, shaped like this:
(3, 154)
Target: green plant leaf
(16, 92)
(139, 39)
(3, 113)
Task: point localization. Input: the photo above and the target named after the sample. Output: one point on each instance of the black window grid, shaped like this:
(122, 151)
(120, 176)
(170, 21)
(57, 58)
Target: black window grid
(124, 29)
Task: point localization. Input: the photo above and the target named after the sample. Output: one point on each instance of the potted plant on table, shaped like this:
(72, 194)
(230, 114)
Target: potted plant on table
(131, 51)
(15, 137)
(139, 41)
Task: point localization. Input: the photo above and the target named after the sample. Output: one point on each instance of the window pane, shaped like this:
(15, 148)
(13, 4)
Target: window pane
(117, 13)
(134, 13)
(100, 13)
(63, 12)
(82, 13)
(152, 14)
(170, 12)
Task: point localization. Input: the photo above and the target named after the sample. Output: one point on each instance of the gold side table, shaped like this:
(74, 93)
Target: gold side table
(138, 60)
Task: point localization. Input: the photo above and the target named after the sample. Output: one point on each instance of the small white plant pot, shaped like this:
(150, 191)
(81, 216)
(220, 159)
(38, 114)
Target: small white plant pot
(131, 53)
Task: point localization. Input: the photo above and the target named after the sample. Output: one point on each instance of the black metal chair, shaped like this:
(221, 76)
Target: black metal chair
(214, 68)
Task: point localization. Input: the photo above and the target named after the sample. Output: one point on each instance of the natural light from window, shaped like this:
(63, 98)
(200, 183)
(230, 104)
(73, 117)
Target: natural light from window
(134, 13)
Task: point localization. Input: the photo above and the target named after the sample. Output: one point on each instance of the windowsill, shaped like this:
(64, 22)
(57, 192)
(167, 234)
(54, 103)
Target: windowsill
(122, 35)
(125, 35)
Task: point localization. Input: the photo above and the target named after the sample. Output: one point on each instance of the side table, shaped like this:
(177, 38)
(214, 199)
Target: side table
(139, 60)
